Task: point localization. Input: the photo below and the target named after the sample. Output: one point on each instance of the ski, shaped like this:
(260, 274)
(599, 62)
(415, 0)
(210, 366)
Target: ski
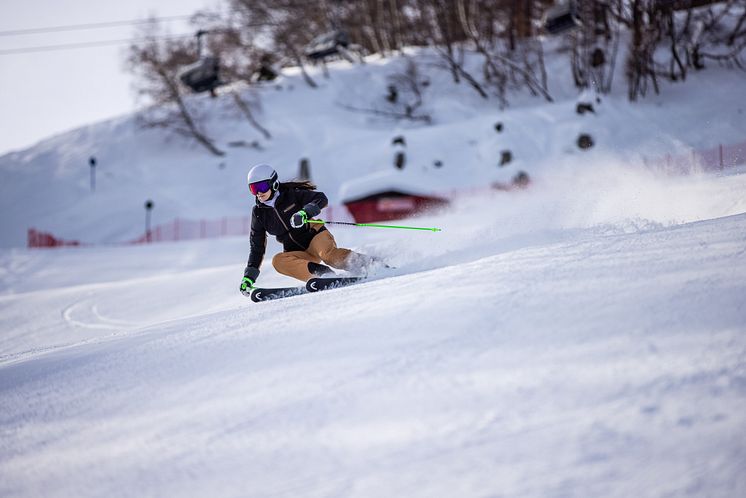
(324, 283)
(259, 294)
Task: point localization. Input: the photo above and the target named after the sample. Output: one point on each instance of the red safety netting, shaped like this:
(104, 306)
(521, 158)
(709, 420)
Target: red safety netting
(713, 159)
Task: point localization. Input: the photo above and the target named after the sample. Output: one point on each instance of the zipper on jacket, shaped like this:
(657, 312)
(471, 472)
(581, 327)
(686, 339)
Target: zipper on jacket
(286, 227)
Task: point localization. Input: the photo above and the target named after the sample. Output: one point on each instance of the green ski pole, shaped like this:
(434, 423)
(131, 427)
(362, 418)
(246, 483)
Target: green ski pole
(374, 225)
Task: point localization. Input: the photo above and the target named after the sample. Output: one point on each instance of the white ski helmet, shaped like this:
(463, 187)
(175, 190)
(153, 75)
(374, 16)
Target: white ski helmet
(258, 175)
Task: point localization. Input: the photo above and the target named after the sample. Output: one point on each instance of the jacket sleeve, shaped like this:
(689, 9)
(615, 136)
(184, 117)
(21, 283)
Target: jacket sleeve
(257, 241)
(315, 198)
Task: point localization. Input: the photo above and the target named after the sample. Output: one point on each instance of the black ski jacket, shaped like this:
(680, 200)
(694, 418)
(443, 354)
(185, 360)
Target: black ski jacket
(276, 221)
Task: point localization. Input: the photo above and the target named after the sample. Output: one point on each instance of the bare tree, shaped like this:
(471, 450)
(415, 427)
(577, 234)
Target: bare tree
(246, 110)
(438, 21)
(694, 32)
(155, 63)
(491, 45)
(405, 98)
(240, 60)
(595, 44)
(291, 24)
(516, 62)
(719, 35)
(640, 64)
(410, 85)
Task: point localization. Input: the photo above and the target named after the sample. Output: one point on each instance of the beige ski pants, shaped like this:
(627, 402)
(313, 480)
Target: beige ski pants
(322, 248)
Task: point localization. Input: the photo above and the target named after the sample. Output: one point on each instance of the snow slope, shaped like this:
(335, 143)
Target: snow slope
(584, 337)
(577, 342)
(47, 186)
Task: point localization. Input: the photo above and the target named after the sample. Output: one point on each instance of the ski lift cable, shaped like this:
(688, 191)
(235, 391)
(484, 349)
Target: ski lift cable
(66, 46)
(96, 25)
(101, 43)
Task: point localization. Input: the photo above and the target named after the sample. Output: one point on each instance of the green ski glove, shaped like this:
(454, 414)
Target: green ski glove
(249, 278)
(246, 284)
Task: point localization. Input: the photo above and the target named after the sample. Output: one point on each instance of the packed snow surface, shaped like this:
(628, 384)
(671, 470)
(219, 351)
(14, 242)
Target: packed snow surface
(571, 341)
(583, 337)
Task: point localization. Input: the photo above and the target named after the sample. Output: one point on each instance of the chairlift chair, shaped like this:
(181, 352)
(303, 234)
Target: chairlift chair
(561, 17)
(204, 74)
(326, 44)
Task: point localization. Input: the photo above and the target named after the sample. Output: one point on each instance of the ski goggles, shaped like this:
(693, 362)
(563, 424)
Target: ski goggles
(262, 186)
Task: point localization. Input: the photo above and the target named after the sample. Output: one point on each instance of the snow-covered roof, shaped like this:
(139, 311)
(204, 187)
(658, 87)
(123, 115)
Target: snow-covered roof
(403, 181)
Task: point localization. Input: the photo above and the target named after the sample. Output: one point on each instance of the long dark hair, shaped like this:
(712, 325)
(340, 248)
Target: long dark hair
(304, 185)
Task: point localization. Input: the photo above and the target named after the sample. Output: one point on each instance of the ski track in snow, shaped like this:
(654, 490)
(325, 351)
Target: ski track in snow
(84, 314)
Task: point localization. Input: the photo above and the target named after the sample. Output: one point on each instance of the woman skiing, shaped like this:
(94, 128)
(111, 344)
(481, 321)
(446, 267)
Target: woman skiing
(282, 210)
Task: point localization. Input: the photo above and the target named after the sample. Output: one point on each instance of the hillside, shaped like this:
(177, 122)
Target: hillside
(47, 186)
